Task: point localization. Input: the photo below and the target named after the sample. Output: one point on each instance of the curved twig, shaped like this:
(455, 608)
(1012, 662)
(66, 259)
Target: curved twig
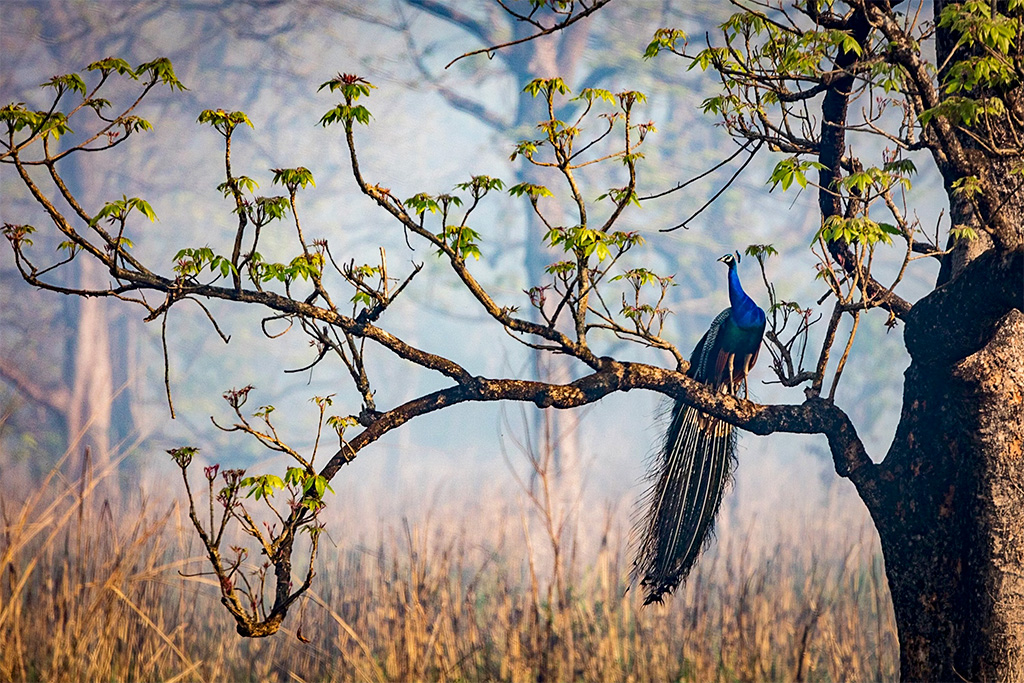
(568, 21)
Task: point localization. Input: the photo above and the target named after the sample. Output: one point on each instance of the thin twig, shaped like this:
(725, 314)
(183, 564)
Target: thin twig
(721, 191)
(167, 365)
(694, 179)
(549, 30)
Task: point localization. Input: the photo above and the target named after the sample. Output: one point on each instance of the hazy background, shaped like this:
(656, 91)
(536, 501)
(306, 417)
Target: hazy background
(268, 58)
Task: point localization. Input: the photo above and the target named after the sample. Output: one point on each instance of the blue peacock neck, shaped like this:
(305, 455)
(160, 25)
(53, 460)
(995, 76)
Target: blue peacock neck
(745, 313)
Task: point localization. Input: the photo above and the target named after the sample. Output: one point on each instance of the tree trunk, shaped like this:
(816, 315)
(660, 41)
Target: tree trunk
(951, 492)
(89, 412)
(951, 489)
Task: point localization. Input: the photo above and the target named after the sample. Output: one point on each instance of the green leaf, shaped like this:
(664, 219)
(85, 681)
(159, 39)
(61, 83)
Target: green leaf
(527, 148)
(225, 122)
(888, 76)
(55, 125)
(352, 87)
(161, 71)
(480, 185)
(264, 411)
(18, 234)
(850, 44)
(561, 268)
(143, 207)
(97, 104)
(346, 113)
(68, 246)
(462, 239)
(859, 180)
(339, 424)
(963, 232)
(591, 94)
(72, 82)
(192, 261)
(964, 110)
(262, 486)
(423, 202)
(530, 190)
(112, 65)
(904, 167)
(119, 210)
(547, 86)
(183, 455)
(133, 124)
(627, 98)
(967, 187)
(18, 118)
(860, 229)
(620, 195)
(295, 476)
(664, 39)
(293, 178)
(792, 169)
(761, 251)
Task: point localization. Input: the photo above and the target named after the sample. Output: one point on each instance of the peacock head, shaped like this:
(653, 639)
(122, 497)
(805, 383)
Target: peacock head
(731, 260)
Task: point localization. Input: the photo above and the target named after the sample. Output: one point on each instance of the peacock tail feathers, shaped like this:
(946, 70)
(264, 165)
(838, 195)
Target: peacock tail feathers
(687, 480)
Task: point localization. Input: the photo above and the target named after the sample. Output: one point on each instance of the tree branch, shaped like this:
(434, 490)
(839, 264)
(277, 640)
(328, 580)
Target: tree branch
(814, 416)
(554, 28)
(53, 399)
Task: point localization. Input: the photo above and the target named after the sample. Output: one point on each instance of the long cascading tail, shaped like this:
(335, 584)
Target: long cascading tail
(687, 480)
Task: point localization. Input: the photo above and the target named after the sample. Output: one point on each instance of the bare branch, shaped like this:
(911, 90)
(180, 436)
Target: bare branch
(814, 416)
(554, 28)
(54, 399)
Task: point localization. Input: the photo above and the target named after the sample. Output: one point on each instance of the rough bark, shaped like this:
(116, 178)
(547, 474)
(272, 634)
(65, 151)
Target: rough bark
(950, 521)
(951, 490)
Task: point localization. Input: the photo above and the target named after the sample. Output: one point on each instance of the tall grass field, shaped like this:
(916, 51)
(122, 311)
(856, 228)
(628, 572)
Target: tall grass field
(99, 585)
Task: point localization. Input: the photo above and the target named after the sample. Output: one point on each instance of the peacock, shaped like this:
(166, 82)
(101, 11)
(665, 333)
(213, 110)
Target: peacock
(689, 476)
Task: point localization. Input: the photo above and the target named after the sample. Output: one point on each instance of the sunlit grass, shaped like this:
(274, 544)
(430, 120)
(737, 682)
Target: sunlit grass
(94, 586)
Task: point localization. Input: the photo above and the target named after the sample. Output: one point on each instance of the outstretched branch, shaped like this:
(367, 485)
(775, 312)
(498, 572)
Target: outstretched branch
(814, 416)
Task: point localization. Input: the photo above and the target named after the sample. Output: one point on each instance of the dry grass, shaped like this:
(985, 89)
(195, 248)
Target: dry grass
(91, 590)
